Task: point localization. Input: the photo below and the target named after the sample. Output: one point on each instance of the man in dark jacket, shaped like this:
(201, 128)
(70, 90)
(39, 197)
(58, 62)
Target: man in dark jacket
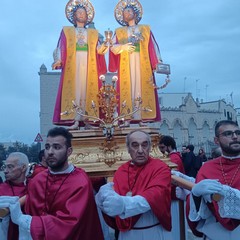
(191, 165)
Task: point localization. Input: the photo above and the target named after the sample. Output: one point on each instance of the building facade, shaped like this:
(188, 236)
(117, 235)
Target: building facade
(190, 122)
(187, 120)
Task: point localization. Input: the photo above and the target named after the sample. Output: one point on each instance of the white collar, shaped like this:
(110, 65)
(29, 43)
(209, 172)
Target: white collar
(231, 158)
(69, 169)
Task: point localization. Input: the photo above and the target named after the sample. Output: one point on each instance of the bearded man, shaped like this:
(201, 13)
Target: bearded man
(218, 219)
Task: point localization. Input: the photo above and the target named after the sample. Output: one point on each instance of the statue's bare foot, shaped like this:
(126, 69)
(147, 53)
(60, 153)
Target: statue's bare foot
(142, 124)
(75, 126)
(88, 126)
(125, 124)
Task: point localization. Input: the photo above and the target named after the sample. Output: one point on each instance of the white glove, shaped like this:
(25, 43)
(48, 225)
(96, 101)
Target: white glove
(104, 191)
(183, 176)
(207, 187)
(24, 221)
(113, 205)
(5, 201)
(182, 193)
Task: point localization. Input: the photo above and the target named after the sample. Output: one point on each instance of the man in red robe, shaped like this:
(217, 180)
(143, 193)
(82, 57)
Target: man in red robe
(15, 170)
(38, 167)
(168, 144)
(139, 204)
(59, 203)
(218, 219)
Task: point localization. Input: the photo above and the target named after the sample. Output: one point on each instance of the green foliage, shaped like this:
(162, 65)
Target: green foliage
(2, 154)
(31, 151)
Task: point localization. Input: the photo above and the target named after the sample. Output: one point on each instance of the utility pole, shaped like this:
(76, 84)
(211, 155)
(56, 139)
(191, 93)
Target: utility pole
(206, 91)
(231, 95)
(197, 88)
(184, 84)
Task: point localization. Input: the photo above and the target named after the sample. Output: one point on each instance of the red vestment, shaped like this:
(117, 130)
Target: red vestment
(153, 183)
(176, 158)
(37, 169)
(63, 207)
(10, 189)
(212, 170)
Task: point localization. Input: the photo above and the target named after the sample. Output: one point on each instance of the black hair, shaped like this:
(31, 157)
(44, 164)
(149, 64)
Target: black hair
(190, 147)
(74, 11)
(40, 155)
(61, 131)
(168, 141)
(135, 10)
(222, 123)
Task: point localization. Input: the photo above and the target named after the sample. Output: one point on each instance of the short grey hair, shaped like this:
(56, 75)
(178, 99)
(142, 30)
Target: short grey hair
(22, 159)
(129, 135)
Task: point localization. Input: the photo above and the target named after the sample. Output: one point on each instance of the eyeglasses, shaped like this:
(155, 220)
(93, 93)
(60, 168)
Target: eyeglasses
(229, 134)
(9, 167)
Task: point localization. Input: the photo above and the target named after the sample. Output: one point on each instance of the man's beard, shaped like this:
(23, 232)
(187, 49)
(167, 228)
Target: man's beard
(58, 166)
(230, 150)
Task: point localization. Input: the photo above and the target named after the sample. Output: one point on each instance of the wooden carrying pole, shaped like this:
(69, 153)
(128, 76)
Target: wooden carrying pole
(180, 182)
(5, 211)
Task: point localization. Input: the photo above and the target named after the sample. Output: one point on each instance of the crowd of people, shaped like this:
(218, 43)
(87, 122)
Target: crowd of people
(55, 199)
(58, 200)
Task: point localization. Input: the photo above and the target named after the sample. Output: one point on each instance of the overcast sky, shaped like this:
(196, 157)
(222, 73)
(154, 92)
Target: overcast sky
(199, 39)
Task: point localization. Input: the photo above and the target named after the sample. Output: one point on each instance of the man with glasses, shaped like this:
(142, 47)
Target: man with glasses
(15, 170)
(220, 218)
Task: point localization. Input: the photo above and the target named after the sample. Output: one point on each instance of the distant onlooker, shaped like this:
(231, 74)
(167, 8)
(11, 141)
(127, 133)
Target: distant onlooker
(184, 151)
(201, 155)
(190, 163)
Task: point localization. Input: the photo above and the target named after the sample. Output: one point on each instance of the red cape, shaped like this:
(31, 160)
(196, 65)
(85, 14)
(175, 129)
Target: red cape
(212, 170)
(63, 210)
(153, 183)
(176, 158)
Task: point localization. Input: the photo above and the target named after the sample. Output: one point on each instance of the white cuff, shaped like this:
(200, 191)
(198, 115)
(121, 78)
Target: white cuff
(229, 205)
(134, 205)
(202, 213)
(25, 222)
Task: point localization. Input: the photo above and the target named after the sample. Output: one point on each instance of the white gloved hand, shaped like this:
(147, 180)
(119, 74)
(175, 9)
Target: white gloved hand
(16, 214)
(104, 191)
(24, 221)
(207, 187)
(5, 201)
(183, 176)
(128, 47)
(182, 193)
(113, 205)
